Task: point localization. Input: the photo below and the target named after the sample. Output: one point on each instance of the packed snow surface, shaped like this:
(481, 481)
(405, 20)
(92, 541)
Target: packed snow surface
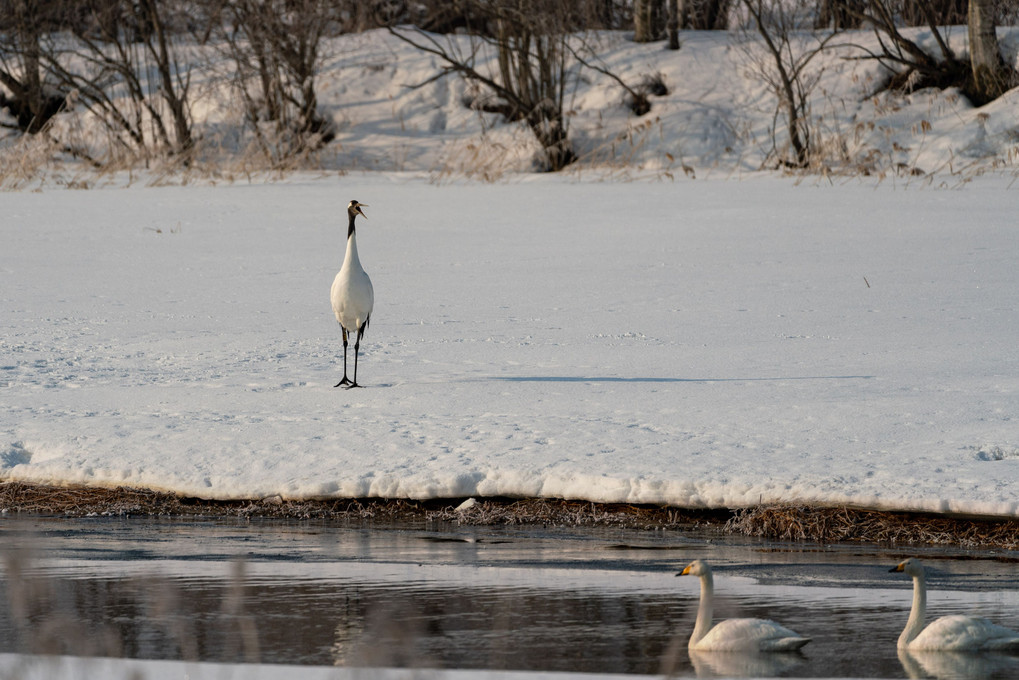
(696, 343)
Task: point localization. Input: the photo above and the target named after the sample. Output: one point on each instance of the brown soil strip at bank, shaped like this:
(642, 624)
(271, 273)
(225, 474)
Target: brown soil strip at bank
(796, 523)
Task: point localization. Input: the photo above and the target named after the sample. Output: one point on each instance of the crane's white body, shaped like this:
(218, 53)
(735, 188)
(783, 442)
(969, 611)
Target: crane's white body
(352, 294)
(735, 635)
(949, 633)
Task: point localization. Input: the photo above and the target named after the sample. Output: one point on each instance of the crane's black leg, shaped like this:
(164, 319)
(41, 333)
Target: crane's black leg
(357, 347)
(346, 381)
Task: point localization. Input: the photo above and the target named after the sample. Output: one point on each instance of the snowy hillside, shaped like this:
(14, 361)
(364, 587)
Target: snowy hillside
(393, 113)
(716, 120)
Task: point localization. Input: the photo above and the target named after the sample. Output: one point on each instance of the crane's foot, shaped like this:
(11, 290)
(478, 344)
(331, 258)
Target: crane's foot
(345, 381)
(350, 385)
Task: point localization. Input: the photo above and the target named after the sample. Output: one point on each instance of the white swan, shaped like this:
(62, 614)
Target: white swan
(735, 635)
(952, 633)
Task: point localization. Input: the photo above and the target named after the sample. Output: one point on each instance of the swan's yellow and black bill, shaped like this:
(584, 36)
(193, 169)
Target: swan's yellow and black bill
(898, 567)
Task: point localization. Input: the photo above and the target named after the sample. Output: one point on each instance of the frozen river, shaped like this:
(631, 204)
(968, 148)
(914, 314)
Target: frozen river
(604, 601)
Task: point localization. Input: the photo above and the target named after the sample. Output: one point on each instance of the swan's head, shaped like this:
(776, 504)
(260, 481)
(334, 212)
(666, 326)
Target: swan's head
(696, 568)
(910, 566)
(354, 208)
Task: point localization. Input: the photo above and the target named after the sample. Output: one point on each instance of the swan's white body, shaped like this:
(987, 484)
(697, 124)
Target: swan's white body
(352, 295)
(949, 633)
(735, 635)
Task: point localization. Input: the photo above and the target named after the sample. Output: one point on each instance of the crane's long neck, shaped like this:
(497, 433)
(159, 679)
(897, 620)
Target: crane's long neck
(917, 614)
(706, 609)
(351, 257)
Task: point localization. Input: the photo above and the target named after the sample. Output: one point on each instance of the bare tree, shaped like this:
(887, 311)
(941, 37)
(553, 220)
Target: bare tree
(532, 76)
(981, 78)
(122, 66)
(903, 57)
(276, 46)
(32, 101)
(786, 70)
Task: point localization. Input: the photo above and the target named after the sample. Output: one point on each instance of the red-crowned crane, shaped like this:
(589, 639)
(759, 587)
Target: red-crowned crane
(352, 295)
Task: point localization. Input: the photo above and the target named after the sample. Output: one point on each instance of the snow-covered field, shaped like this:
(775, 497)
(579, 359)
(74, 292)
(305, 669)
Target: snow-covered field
(734, 339)
(701, 343)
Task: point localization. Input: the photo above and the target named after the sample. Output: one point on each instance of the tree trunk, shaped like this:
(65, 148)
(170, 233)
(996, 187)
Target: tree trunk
(990, 75)
(672, 26)
(647, 20)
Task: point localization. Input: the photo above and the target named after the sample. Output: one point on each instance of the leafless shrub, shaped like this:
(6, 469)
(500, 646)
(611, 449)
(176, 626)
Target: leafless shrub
(532, 76)
(276, 48)
(538, 56)
(911, 65)
(121, 64)
(790, 47)
(22, 160)
(637, 95)
(982, 77)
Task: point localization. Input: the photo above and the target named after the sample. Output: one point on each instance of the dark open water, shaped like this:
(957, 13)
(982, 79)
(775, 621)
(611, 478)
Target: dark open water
(507, 598)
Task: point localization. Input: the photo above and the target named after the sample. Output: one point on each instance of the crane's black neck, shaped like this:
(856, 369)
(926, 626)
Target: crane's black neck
(350, 226)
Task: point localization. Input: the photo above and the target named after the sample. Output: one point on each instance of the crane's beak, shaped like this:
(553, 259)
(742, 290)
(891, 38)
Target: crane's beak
(358, 208)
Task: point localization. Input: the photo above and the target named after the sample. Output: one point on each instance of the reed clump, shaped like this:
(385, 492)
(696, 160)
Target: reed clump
(845, 525)
(567, 513)
(81, 501)
(776, 522)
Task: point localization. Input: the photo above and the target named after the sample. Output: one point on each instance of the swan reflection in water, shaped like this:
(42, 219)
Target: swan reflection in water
(708, 664)
(943, 665)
